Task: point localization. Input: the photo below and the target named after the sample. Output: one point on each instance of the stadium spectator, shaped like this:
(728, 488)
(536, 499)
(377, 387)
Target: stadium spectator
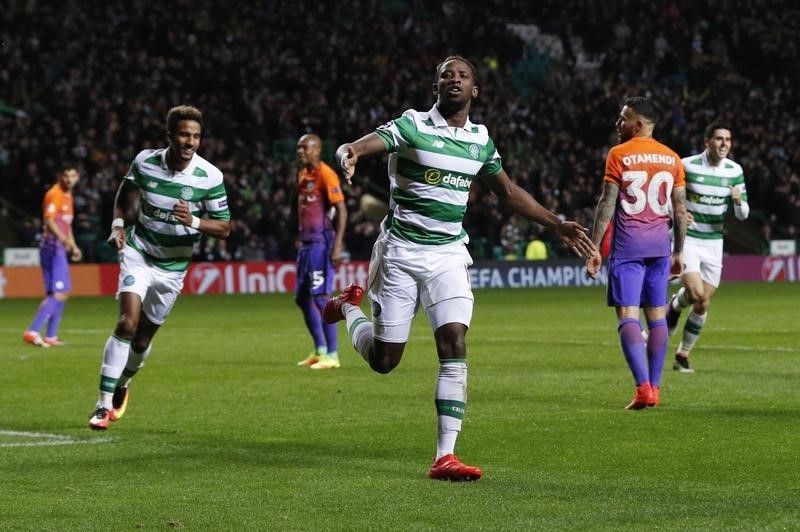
(642, 177)
(420, 258)
(713, 182)
(318, 196)
(57, 249)
(536, 248)
(165, 187)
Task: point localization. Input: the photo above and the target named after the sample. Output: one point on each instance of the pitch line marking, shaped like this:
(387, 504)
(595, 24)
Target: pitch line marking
(745, 348)
(51, 439)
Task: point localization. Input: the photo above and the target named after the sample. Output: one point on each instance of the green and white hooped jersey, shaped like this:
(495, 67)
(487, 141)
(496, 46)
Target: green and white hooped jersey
(431, 167)
(708, 195)
(157, 235)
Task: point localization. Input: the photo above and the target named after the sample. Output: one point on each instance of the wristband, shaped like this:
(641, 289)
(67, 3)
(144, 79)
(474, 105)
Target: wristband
(117, 223)
(195, 222)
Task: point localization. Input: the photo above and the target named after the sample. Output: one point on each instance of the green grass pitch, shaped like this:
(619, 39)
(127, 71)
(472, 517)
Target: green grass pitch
(224, 432)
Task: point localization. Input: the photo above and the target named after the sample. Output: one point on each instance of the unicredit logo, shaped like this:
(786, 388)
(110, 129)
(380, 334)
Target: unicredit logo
(205, 278)
(261, 277)
(781, 268)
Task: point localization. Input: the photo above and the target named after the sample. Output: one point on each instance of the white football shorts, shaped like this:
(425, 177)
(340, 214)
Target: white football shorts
(404, 275)
(158, 289)
(704, 257)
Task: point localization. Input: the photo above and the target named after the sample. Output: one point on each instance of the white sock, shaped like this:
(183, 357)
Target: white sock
(135, 363)
(680, 302)
(451, 399)
(115, 356)
(691, 331)
(360, 330)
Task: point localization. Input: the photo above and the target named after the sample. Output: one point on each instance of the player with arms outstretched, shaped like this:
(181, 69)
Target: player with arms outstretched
(174, 187)
(420, 257)
(642, 176)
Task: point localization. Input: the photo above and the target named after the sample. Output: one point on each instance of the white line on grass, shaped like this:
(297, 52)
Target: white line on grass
(107, 330)
(50, 439)
(718, 347)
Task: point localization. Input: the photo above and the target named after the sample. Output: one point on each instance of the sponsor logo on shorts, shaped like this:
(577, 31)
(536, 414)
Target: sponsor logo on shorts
(376, 309)
(128, 280)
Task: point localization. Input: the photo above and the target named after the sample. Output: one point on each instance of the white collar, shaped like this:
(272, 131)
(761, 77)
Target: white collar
(164, 165)
(439, 121)
(707, 161)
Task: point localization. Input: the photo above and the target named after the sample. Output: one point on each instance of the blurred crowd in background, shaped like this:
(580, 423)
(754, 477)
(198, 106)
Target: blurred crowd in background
(91, 82)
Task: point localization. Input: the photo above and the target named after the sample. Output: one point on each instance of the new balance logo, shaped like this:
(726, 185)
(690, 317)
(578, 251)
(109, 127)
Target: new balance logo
(438, 144)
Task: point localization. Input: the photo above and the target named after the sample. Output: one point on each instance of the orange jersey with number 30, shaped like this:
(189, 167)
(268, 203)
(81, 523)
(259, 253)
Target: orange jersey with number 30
(645, 171)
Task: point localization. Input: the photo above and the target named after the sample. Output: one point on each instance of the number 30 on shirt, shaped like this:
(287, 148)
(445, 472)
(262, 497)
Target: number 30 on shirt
(634, 182)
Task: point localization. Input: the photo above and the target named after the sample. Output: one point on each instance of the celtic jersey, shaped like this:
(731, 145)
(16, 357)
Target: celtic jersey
(708, 194)
(431, 167)
(157, 234)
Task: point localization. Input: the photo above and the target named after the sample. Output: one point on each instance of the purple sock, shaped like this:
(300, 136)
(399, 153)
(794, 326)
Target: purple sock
(43, 313)
(55, 318)
(630, 337)
(657, 350)
(313, 319)
(329, 328)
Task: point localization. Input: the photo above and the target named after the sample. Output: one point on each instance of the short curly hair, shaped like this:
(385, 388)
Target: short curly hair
(183, 112)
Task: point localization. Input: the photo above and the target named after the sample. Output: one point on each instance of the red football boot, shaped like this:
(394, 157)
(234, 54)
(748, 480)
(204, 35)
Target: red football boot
(332, 311)
(448, 467)
(641, 397)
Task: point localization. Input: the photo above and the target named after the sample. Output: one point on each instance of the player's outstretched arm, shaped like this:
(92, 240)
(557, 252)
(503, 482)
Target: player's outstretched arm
(347, 155)
(518, 201)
